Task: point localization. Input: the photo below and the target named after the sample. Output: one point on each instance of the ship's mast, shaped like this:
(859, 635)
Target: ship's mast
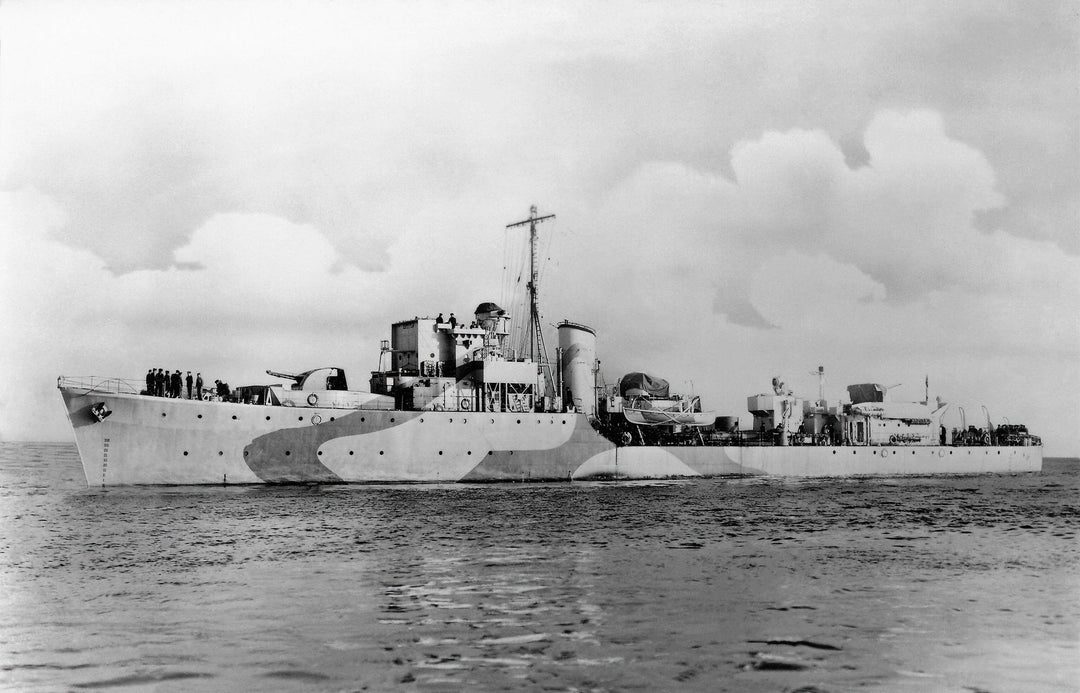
(820, 373)
(534, 333)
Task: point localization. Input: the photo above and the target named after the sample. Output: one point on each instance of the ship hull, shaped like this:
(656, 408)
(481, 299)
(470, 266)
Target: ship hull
(153, 440)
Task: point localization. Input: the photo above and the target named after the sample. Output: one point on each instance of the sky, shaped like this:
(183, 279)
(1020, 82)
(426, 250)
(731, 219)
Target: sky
(742, 190)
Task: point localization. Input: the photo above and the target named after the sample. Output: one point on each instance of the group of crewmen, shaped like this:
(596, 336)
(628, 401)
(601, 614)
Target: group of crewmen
(452, 321)
(162, 384)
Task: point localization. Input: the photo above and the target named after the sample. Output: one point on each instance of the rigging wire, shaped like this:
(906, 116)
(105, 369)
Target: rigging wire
(515, 295)
(546, 257)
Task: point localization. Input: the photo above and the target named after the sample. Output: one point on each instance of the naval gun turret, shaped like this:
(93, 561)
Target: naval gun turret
(335, 378)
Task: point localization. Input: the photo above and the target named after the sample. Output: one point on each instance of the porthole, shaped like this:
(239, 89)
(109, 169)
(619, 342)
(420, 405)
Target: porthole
(421, 421)
(491, 452)
(319, 453)
(299, 418)
(200, 415)
(350, 452)
(469, 452)
(361, 419)
(464, 421)
(391, 419)
(234, 417)
(380, 452)
(331, 418)
(519, 420)
(440, 452)
(493, 421)
(163, 414)
(511, 452)
(451, 420)
(564, 422)
(834, 452)
(268, 418)
(287, 453)
(185, 453)
(245, 453)
(220, 453)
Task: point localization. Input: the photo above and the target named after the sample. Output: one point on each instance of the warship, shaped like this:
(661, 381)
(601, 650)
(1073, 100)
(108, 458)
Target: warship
(456, 402)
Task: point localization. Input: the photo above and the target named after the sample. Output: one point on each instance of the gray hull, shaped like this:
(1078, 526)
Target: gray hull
(153, 440)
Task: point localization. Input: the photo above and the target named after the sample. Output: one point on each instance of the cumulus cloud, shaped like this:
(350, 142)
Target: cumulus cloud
(871, 269)
(256, 290)
(145, 121)
(906, 219)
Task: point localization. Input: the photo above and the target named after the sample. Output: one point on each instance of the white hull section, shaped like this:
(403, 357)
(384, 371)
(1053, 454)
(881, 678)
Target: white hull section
(819, 461)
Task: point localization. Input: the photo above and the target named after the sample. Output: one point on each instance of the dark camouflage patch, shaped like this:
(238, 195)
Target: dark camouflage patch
(291, 455)
(556, 464)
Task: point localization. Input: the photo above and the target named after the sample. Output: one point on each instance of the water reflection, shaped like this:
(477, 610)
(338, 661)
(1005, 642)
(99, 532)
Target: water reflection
(449, 616)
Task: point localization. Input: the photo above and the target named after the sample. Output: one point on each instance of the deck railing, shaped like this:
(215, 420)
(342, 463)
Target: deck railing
(124, 386)
(131, 386)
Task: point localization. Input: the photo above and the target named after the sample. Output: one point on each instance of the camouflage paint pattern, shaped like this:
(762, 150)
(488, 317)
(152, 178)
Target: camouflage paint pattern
(153, 440)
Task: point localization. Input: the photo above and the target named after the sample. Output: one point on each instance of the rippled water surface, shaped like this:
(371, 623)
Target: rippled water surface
(947, 583)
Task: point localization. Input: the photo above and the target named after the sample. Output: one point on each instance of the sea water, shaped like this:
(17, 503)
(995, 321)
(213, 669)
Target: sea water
(959, 583)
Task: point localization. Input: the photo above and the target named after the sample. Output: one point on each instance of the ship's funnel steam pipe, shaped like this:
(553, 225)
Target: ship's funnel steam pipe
(577, 347)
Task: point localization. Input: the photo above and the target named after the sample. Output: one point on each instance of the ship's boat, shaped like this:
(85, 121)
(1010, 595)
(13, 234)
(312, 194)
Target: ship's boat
(647, 401)
(457, 401)
(644, 412)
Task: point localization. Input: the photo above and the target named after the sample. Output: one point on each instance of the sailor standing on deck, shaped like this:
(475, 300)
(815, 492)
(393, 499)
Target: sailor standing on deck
(159, 383)
(198, 385)
(189, 381)
(452, 321)
(176, 385)
(150, 382)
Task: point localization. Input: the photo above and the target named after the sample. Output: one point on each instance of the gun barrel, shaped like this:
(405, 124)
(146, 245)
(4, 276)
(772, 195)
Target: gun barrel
(287, 376)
